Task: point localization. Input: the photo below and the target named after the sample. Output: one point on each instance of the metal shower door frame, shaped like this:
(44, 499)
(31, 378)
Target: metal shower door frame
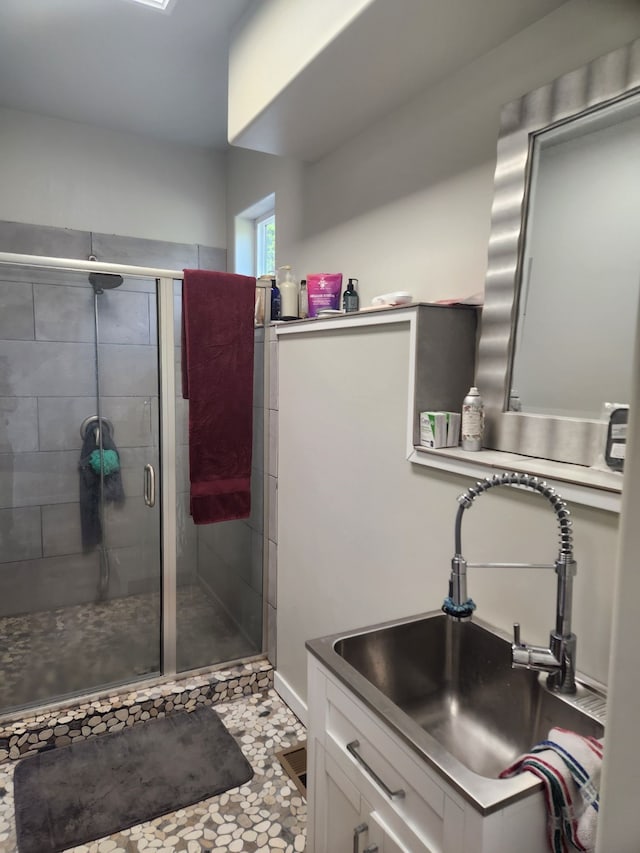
(168, 468)
(168, 480)
(164, 279)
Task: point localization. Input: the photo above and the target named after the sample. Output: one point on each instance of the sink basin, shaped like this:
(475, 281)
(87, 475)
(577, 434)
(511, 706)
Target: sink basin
(448, 689)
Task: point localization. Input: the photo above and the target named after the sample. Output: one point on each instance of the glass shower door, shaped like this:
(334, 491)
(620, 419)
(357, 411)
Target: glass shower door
(219, 567)
(80, 564)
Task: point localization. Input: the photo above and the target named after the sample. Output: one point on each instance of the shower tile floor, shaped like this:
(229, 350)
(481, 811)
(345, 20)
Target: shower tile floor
(267, 815)
(77, 649)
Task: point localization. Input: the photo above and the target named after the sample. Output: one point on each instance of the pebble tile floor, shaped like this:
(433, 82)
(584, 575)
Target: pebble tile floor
(267, 815)
(87, 646)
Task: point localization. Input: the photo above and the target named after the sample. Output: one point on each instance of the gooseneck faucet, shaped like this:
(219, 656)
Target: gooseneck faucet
(560, 657)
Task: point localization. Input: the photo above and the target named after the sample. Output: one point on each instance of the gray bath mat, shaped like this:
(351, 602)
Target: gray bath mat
(77, 793)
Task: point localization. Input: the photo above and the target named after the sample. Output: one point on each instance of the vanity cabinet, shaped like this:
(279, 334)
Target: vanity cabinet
(346, 820)
(369, 792)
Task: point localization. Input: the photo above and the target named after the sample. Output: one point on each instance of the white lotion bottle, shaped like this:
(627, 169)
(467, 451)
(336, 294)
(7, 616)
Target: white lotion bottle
(288, 293)
(472, 427)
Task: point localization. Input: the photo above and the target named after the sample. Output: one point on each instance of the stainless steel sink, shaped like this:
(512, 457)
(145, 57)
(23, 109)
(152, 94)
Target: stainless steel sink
(448, 689)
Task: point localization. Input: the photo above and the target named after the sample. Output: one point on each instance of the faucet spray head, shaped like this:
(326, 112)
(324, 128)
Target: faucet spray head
(457, 603)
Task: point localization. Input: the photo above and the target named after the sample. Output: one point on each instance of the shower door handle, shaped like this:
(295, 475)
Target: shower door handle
(149, 485)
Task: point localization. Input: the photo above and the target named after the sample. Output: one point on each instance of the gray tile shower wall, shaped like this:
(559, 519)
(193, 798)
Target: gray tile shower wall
(272, 473)
(47, 387)
(115, 249)
(65, 314)
(44, 368)
(211, 259)
(18, 424)
(26, 239)
(16, 319)
(230, 554)
(48, 583)
(20, 533)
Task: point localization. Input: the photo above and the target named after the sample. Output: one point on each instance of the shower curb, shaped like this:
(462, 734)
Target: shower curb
(83, 720)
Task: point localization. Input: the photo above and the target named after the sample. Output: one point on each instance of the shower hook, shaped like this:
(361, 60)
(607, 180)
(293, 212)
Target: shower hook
(94, 419)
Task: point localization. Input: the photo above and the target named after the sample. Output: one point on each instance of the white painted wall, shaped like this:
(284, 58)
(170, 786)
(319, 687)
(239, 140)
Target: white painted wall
(362, 534)
(618, 825)
(251, 176)
(407, 203)
(73, 175)
(276, 42)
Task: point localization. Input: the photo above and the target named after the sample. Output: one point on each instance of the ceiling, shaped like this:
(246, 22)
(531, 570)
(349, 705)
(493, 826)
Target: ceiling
(394, 50)
(120, 65)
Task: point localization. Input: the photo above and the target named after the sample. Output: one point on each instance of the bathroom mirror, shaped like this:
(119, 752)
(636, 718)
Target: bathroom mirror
(563, 276)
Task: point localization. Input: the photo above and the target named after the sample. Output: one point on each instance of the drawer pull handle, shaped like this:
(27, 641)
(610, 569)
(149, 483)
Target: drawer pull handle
(357, 832)
(351, 749)
(372, 848)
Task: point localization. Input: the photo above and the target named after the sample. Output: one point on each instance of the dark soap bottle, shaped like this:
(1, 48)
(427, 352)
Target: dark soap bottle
(276, 301)
(350, 298)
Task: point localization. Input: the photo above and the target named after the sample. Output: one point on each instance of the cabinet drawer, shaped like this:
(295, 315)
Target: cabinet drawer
(389, 769)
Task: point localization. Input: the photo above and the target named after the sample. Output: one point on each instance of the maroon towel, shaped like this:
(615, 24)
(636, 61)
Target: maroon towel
(217, 379)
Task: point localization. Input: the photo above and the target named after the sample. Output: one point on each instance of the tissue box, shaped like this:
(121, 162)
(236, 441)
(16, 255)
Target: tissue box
(439, 429)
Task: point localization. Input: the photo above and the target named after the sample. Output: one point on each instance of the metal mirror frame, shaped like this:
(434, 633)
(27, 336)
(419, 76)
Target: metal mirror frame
(605, 80)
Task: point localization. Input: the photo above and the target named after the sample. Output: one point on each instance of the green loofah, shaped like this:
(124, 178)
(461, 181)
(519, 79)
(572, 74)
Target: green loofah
(110, 463)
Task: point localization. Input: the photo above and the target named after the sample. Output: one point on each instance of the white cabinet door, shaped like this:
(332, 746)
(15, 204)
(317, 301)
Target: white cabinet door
(339, 824)
(388, 842)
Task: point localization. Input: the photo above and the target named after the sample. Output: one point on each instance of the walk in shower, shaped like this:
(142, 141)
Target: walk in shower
(104, 579)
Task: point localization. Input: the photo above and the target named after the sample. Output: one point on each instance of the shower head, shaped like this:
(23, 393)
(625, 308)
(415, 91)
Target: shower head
(101, 281)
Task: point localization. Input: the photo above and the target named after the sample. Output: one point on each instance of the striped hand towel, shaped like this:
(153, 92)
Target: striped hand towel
(569, 765)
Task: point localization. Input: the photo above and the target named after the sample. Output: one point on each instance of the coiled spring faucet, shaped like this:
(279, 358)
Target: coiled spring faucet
(559, 658)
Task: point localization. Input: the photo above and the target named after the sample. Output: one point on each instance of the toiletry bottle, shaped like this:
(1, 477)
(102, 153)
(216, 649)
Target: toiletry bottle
(515, 404)
(350, 298)
(288, 287)
(303, 300)
(261, 297)
(275, 300)
(472, 420)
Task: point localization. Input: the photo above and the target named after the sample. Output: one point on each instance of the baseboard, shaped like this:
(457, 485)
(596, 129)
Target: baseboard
(290, 697)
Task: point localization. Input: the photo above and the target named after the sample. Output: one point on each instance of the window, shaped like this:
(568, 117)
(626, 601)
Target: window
(255, 238)
(265, 244)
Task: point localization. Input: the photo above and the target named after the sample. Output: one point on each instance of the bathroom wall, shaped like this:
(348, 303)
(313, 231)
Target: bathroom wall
(230, 554)
(48, 387)
(315, 25)
(71, 190)
(83, 185)
(406, 205)
(364, 536)
(73, 175)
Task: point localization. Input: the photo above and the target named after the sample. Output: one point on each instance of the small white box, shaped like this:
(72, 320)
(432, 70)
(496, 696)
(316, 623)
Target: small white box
(433, 429)
(439, 429)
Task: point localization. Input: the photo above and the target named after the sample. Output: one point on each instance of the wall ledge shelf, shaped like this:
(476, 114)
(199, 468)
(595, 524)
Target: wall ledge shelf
(369, 317)
(575, 483)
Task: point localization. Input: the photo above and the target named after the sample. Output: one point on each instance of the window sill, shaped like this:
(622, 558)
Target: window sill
(575, 483)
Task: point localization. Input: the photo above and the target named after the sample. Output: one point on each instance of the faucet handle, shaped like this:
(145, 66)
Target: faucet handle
(516, 634)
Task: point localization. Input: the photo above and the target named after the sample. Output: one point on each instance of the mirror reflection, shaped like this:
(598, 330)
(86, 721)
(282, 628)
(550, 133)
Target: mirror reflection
(580, 269)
